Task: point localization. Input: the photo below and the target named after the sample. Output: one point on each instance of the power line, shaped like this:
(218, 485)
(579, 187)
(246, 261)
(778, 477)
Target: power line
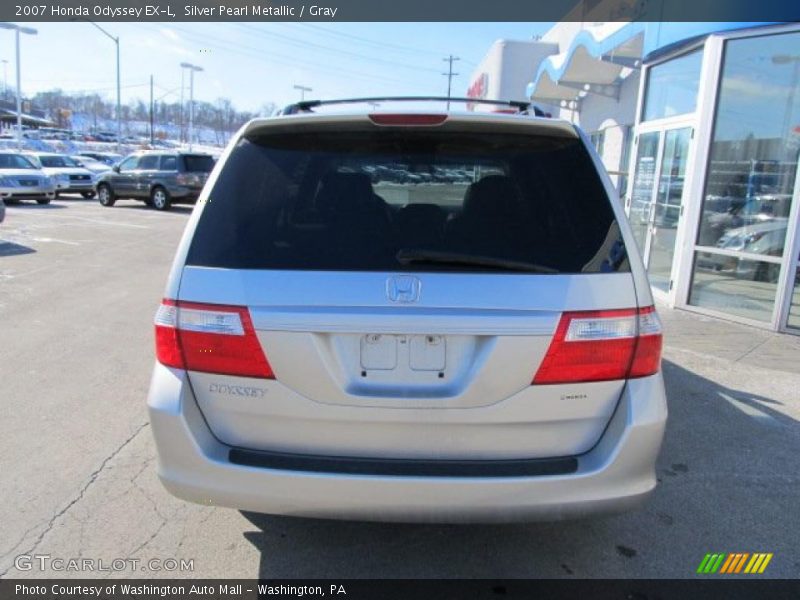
(306, 44)
(363, 40)
(244, 50)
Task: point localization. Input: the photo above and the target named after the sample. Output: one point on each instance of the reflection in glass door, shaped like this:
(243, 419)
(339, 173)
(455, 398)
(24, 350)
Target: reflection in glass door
(667, 210)
(644, 172)
(656, 195)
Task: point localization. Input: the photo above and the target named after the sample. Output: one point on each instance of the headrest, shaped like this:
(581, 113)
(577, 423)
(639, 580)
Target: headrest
(344, 192)
(494, 196)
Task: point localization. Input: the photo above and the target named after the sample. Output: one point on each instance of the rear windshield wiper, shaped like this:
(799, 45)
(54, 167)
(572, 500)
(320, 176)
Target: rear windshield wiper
(408, 256)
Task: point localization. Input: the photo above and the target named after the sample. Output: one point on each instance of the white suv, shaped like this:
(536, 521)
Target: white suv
(409, 317)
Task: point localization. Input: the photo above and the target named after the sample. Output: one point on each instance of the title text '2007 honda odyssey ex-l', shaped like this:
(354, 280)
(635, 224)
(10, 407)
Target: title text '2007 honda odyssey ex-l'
(409, 317)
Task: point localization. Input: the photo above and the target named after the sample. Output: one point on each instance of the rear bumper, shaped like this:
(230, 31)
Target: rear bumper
(615, 475)
(184, 194)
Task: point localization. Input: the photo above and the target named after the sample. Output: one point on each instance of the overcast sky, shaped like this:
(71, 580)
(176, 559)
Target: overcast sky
(256, 63)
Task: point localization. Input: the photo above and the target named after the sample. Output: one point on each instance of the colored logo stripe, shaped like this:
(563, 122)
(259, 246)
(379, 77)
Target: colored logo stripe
(732, 563)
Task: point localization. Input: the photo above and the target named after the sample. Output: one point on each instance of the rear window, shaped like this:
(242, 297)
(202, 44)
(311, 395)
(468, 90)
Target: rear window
(195, 163)
(414, 200)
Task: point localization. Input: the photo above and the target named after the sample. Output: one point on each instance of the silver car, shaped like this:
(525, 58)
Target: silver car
(22, 179)
(68, 175)
(344, 335)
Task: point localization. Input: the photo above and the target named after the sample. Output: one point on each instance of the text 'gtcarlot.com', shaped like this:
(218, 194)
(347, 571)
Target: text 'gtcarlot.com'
(46, 562)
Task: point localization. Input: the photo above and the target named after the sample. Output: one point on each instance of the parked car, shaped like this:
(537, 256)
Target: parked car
(336, 344)
(69, 176)
(92, 165)
(22, 179)
(159, 178)
(108, 158)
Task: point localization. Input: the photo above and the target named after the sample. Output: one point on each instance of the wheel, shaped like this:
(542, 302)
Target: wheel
(43, 201)
(105, 195)
(159, 197)
(87, 195)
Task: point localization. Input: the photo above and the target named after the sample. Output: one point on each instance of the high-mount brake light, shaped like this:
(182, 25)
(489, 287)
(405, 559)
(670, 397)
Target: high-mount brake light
(603, 345)
(211, 338)
(411, 119)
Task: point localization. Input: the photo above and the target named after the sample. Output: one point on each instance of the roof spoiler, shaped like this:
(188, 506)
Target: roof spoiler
(307, 106)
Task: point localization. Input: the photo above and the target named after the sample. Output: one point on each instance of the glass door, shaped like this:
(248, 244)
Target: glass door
(667, 207)
(656, 199)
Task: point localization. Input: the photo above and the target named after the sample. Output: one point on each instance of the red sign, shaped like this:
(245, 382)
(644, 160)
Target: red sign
(478, 89)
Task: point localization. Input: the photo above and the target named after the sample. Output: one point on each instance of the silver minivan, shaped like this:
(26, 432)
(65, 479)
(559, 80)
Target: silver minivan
(409, 316)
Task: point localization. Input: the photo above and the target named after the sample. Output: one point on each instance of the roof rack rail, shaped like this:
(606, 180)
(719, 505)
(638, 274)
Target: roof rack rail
(305, 106)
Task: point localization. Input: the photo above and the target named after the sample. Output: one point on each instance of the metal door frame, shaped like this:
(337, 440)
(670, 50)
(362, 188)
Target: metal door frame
(662, 126)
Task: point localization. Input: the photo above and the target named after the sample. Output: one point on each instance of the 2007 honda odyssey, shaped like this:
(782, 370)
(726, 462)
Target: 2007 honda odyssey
(411, 317)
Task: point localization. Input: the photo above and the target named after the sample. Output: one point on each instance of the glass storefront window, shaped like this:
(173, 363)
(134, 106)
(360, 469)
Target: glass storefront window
(672, 87)
(736, 286)
(794, 308)
(750, 178)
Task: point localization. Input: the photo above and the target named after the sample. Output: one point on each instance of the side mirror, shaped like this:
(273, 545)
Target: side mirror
(115, 168)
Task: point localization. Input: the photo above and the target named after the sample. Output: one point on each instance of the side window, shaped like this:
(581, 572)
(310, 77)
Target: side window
(169, 163)
(129, 164)
(148, 163)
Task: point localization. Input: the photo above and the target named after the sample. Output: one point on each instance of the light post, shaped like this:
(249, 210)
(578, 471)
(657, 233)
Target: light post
(18, 30)
(303, 89)
(119, 95)
(5, 78)
(180, 133)
(192, 68)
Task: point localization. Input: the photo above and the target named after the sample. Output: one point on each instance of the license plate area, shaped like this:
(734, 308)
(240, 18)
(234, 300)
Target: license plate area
(387, 352)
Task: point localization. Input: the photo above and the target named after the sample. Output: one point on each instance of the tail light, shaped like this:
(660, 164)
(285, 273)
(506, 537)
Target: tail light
(211, 338)
(603, 345)
(187, 178)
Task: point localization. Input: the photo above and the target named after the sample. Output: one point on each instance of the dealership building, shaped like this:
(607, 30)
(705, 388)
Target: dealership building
(698, 125)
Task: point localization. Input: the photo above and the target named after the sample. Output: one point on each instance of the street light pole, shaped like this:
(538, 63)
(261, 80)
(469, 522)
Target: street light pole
(17, 30)
(180, 133)
(119, 87)
(192, 68)
(19, 97)
(5, 78)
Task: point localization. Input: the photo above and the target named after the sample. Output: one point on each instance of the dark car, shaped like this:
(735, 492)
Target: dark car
(160, 178)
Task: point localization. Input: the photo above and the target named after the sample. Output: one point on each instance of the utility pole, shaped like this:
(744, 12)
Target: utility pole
(303, 89)
(450, 60)
(152, 133)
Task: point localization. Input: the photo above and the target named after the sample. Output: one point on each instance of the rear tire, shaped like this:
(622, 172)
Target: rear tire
(43, 201)
(87, 195)
(105, 196)
(160, 199)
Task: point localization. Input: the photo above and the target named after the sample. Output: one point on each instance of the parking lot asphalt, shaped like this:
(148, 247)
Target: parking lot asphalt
(79, 285)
